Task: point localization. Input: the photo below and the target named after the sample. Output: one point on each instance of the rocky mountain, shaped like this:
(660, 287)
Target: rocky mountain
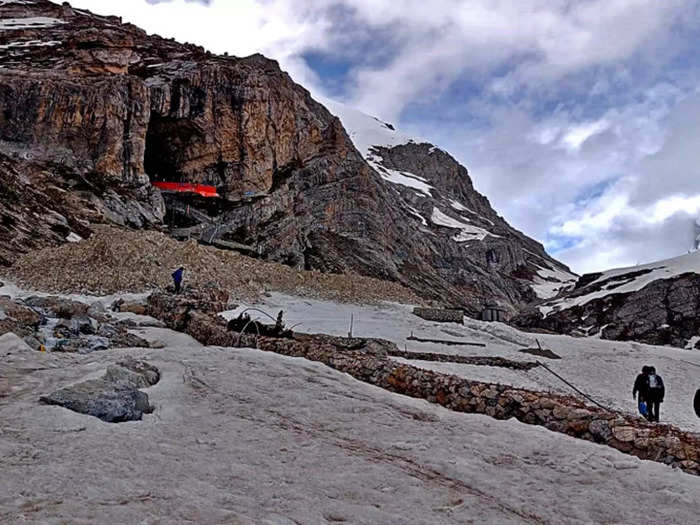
(95, 111)
(656, 303)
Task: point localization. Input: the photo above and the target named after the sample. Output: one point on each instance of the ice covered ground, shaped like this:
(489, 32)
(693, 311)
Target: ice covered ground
(242, 436)
(605, 370)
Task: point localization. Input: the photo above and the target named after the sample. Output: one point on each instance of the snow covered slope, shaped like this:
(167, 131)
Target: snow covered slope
(365, 131)
(604, 370)
(243, 436)
(627, 280)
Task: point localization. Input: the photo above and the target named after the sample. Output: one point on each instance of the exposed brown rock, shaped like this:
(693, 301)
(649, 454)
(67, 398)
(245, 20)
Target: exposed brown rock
(90, 120)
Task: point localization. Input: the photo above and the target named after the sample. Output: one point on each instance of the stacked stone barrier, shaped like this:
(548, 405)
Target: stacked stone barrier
(558, 413)
(442, 315)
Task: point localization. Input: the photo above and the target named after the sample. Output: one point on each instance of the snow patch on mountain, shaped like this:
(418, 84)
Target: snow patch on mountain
(30, 43)
(417, 214)
(628, 280)
(403, 178)
(366, 132)
(36, 22)
(461, 207)
(550, 282)
(467, 233)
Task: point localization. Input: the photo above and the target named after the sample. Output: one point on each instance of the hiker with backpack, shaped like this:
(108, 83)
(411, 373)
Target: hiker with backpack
(641, 386)
(655, 394)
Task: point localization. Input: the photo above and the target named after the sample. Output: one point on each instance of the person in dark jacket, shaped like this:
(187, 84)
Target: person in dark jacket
(696, 403)
(177, 278)
(655, 394)
(641, 386)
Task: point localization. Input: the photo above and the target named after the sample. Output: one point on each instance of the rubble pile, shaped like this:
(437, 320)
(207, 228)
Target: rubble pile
(120, 260)
(57, 324)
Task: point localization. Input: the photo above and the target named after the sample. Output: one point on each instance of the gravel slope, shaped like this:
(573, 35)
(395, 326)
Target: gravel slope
(120, 260)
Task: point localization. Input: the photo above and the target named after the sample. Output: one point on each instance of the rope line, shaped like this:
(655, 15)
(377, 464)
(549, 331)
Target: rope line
(572, 386)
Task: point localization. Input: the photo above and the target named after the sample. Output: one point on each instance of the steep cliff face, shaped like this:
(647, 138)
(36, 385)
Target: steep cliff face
(95, 110)
(655, 303)
(475, 256)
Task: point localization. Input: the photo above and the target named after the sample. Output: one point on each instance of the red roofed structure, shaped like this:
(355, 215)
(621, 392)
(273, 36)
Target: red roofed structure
(203, 190)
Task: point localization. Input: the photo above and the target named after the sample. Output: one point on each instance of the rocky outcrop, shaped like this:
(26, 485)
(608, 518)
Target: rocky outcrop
(662, 312)
(113, 398)
(488, 260)
(57, 324)
(17, 318)
(175, 310)
(95, 110)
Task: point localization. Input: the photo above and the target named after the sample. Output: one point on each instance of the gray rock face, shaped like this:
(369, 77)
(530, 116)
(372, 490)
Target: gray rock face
(664, 312)
(115, 397)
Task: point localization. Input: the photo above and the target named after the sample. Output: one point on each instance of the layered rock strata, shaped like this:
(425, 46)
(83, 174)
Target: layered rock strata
(95, 110)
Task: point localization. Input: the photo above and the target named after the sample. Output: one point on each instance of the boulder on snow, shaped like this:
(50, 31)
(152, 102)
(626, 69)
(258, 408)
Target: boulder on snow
(113, 398)
(134, 307)
(10, 343)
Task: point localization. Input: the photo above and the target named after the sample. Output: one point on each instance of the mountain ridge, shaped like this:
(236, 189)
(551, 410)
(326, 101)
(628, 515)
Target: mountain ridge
(96, 110)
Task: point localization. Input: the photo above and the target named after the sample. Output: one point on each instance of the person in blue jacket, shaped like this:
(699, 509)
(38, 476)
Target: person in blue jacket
(177, 278)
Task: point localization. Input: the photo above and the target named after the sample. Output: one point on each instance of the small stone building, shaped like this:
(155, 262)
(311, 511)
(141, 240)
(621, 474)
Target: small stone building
(494, 312)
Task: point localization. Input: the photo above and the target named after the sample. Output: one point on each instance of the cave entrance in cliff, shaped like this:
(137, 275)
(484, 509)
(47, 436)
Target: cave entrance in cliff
(168, 142)
(190, 199)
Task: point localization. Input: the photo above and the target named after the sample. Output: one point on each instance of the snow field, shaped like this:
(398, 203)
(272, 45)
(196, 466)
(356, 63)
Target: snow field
(605, 370)
(244, 436)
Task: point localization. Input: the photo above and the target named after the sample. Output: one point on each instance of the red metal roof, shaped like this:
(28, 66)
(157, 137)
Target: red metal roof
(186, 187)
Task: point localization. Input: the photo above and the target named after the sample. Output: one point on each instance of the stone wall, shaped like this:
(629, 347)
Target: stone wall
(564, 414)
(441, 315)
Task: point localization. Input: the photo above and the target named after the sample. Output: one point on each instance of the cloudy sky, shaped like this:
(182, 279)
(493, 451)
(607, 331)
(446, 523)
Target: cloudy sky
(579, 119)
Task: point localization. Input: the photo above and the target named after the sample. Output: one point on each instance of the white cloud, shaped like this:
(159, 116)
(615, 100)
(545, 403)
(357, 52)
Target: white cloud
(580, 133)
